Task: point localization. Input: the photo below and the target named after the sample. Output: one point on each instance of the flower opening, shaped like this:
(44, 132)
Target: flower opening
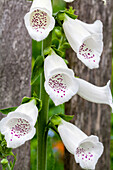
(88, 152)
(18, 126)
(39, 20)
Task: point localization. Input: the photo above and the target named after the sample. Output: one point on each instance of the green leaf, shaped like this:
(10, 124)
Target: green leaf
(66, 117)
(26, 100)
(0, 136)
(56, 120)
(55, 42)
(59, 52)
(58, 33)
(37, 69)
(70, 13)
(73, 16)
(47, 51)
(65, 45)
(7, 110)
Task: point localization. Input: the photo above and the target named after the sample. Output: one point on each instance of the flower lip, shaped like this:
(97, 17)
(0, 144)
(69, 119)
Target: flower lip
(39, 22)
(88, 152)
(89, 51)
(17, 127)
(60, 85)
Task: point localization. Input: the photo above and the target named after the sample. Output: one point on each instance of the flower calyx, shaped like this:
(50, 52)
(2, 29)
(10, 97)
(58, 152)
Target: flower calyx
(56, 120)
(60, 15)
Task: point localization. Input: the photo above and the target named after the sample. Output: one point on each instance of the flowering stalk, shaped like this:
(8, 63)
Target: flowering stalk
(42, 121)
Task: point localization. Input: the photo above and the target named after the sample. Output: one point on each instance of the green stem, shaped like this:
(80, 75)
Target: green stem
(42, 122)
(8, 167)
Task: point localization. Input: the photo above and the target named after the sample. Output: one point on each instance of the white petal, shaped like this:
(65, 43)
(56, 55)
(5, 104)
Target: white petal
(55, 62)
(29, 109)
(70, 135)
(75, 33)
(94, 93)
(60, 83)
(15, 141)
(96, 27)
(85, 40)
(88, 152)
(17, 128)
(68, 0)
(44, 4)
(39, 22)
(90, 51)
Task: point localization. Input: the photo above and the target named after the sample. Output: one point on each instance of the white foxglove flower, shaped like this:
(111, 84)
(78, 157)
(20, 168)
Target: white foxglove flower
(68, 0)
(39, 21)
(60, 83)
(18, 126)
(86, 149)
(85, 40)
(94, 93)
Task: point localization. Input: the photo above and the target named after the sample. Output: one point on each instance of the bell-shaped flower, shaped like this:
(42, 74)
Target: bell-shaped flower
(86, 149)
(60, 83)
(39, 21)
(94, 93)
(18, 126)
(68, 0)
(85, 40)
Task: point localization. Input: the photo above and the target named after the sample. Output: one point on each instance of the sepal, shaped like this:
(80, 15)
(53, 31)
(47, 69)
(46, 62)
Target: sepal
(47, 51)
(60, 15)
(57, 118)
(38, 101)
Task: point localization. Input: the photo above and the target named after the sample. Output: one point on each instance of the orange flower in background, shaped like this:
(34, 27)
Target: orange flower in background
(59, 147)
